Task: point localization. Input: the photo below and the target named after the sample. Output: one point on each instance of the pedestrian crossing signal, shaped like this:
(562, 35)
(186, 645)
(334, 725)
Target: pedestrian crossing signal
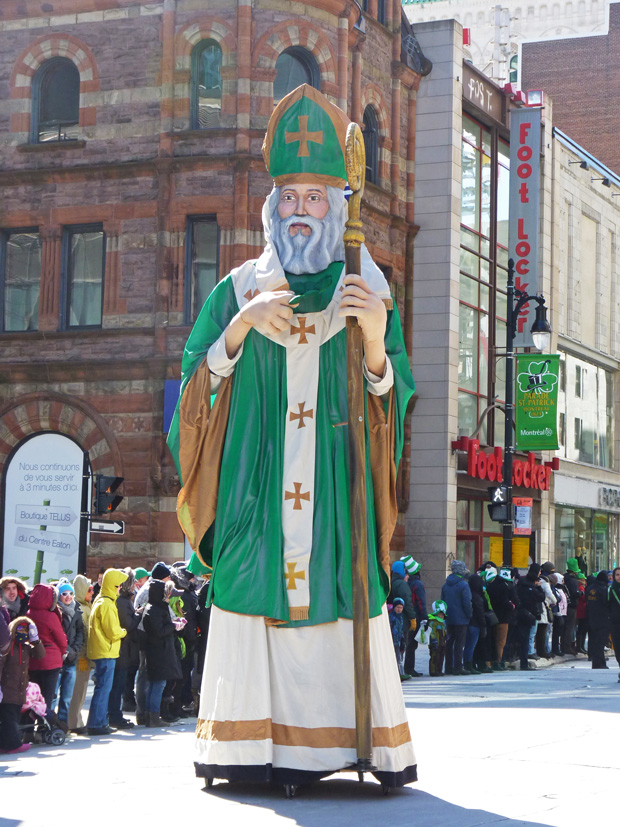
(106, 500)
(500, 511)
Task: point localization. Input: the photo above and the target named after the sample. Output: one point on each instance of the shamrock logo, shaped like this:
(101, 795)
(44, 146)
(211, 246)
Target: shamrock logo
(537, 378)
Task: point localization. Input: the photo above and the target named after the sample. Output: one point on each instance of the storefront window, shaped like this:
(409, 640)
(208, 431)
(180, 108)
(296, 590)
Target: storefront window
(585, 407)
(590, 536)
(483, 264)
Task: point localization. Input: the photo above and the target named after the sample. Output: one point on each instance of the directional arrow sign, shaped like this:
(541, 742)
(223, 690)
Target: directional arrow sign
(47, 541)
(58, 516)
(117, 527)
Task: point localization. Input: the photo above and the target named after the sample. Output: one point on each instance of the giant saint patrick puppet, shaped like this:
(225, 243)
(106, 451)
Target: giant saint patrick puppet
(260, 441)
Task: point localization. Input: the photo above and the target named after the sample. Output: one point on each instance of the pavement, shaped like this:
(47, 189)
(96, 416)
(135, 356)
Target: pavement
(511, 748)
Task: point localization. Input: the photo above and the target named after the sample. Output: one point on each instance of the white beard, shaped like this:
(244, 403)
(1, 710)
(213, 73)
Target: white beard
(300, 254)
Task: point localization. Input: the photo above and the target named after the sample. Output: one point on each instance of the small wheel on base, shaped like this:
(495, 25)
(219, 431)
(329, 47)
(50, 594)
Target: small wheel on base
(208, 783)
(47, 736)
(57, 737)
(360, 777)
(290, 790)
(385, 789)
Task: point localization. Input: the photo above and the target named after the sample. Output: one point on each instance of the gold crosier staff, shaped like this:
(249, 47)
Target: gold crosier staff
(355, 160)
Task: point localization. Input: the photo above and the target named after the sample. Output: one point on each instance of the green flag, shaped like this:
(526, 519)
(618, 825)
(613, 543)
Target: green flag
(536, 409)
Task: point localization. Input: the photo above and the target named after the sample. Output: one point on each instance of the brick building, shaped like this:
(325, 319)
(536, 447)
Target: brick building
(132, 179)
(582, 76)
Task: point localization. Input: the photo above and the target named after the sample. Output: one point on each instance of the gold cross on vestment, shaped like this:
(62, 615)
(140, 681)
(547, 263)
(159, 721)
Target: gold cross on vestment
(291, 574)
(297, 496)
(302, 330)
(250, 294)
(300, 416)
(303, 136)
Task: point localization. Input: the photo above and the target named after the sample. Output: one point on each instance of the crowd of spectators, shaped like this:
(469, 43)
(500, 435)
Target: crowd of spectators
(498, 618)
(139, 636)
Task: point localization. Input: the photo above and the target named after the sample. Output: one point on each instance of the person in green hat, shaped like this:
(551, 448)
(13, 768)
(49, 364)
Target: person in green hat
(260, 442)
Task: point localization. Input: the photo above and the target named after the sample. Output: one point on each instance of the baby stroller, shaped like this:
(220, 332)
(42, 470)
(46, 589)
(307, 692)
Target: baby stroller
(35, 726)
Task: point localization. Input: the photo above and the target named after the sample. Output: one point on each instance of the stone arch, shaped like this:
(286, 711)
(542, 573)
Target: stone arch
(51, 411)
(189, 36)
(34, 56)
(296, 32)
(373, 96)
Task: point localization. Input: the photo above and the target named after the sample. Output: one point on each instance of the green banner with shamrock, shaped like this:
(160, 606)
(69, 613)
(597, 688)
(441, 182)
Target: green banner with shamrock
(536, 407)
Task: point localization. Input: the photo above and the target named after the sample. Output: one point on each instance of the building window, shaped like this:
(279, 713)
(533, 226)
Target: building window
(202, 263)
(294, 67)
(371, 145)
(20, 277)
(484, 260)
(83, 269)
(56, 101)
(381, 11)
(206, 85)
(586, 405)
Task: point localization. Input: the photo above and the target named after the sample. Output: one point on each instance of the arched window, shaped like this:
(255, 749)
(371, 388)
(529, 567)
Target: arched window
(56, 101)
(371, 144)
(294, 67)
(206, 85)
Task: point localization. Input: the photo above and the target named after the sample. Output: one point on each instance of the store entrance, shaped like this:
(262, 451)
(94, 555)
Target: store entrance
(474, 531)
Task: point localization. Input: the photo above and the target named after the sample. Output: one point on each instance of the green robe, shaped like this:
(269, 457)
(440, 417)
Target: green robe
(244, 545)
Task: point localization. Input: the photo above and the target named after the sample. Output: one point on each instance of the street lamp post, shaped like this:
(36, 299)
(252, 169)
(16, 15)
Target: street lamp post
(541, 333)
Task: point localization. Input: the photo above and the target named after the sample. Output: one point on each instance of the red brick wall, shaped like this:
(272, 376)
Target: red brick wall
(582, 77)
(140, 170)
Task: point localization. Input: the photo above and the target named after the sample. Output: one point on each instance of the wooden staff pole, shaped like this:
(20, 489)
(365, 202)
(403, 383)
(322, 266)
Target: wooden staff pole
(353, 239)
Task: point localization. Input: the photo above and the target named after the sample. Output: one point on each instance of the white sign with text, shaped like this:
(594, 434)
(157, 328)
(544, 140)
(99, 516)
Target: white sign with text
(43, 498)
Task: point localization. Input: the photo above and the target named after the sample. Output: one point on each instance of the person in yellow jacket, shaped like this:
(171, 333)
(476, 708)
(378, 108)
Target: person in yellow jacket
(104, 643)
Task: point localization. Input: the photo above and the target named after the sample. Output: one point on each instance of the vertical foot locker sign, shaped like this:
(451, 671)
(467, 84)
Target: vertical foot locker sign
(536, 408)
(44, 536)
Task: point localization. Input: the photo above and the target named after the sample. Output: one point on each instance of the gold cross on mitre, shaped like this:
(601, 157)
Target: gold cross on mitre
(291, 574)
(303, 136)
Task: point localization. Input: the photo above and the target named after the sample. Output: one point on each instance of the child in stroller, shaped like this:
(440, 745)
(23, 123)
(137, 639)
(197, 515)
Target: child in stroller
(36, 725)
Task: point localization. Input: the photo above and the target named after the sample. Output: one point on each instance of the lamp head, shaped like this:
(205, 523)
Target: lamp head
(541, 329)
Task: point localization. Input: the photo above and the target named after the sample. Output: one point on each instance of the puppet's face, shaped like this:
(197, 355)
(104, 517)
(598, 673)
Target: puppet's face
(302, 200)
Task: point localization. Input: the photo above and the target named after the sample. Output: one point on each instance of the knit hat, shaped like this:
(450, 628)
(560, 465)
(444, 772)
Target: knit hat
(398, 601)
(489, 575)
(440, 606)
(65, 587)
(399, 568)
(548, 568)
(160, 570)
(534, 571)
(140, 573)
(458, 567)
(505, 575)
(412, 566)
(602, 576)
(573, 565)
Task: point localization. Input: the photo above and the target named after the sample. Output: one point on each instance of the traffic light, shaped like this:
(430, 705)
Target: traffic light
(106, 500)
(500, 510)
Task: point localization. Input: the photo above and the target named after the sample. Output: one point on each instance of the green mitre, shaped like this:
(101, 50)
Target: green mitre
(305, 140)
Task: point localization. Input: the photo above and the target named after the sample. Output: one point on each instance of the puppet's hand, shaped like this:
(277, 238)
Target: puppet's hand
(269, 312)
(359, 300)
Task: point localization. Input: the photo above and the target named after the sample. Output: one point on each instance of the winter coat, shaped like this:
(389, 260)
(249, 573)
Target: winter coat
(81, 586)
(43, 610)
(457, 594)
(418, 596)
(397, 626)
(531, 598)
(400, 588)
(162, 662)
(500, 594)
(129, 619)
(17, 663)
(21, 607)
(571, 581)
(550, 599)
(614, 605)
(74, 629)
(597, 603)
(105, 634)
